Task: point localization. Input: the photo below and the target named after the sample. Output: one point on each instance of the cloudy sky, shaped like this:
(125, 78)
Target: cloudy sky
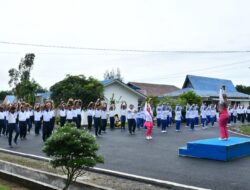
(170, 26)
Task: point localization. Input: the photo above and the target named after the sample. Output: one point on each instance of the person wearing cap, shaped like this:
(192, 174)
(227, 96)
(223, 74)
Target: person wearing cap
(12, 125)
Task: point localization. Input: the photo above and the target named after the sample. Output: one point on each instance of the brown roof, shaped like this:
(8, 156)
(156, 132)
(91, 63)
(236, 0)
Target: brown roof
(152, 89)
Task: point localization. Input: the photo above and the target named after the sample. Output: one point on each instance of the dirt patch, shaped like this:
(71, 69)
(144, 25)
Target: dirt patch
(11, 186)
(91, 177)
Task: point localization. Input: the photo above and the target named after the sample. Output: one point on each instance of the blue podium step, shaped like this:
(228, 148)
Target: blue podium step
(216, 149)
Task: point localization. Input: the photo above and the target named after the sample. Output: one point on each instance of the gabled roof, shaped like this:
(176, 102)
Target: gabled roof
(152, 89)
(208, 87)
(208, 84)
(9, 99)
(207, 93)
(45, 95)
(106, 83)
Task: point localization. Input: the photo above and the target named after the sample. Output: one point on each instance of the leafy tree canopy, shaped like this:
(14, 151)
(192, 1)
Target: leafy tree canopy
(73, 150)
(243, 89)
(77, 87)
(3, 94)
(191, 98)
(23, 87)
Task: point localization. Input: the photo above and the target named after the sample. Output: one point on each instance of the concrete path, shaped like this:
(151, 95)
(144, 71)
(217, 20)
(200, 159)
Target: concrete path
(159, 158)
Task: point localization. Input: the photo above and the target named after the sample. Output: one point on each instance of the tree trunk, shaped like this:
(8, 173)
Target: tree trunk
(68, 182)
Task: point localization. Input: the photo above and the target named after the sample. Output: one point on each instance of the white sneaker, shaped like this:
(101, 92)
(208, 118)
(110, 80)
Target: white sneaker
(150, 137)
(223, 139)
(162, 131)
(147, 138)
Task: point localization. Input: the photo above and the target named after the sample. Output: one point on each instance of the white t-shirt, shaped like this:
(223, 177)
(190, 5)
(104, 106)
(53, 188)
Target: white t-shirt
(6, 114)
(31, 112)
(203, 114)
(178, 115)
(27, 114)
(123, 112)
(111, 113)
(104, 114)
(90, 112)
(12, 117)
(164, 114)
(62, 113)
(213, 112)
(2, 115)
(78, 111)
(158, 112)
(46, 116)
(37, 115)
(148, 116)
(98, 113)
(131, 114)
(22, 116)
(69, 114)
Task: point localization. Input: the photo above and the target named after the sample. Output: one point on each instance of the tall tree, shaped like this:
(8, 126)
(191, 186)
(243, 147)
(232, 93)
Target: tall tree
(3, 94)
(243, 89)
(191, 98)
(113, 75)
(23, 87)
(77, 87)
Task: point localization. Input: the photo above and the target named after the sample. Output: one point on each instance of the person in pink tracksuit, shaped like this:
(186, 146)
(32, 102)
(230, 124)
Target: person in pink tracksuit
(223, 119)
(148, 120)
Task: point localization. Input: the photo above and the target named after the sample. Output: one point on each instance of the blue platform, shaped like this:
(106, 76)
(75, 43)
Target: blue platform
(216, 149)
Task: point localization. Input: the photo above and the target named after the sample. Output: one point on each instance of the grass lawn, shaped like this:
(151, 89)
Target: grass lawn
(245, 129)
(2, 187)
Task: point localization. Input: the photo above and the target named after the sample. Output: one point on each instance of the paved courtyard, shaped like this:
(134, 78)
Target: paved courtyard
(159, 158)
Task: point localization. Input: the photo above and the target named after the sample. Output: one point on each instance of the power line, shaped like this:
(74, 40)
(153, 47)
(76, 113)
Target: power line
(227, 66)
(125, 50)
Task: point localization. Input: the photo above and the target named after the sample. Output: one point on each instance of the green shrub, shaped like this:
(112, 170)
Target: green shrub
(73, 150)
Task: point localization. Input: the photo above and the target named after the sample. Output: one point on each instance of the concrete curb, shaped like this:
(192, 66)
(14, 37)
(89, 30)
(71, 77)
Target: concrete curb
(161, 183)
(42, 180)
(25, 182)
(236, 133)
